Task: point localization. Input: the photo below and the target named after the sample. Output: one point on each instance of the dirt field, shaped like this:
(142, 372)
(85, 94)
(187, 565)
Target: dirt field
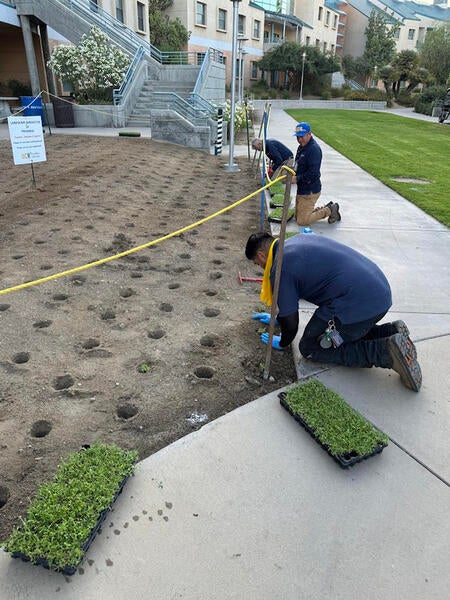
(140, 351)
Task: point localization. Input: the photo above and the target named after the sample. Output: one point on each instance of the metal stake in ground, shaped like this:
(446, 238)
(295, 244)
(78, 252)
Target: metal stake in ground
(276, 284)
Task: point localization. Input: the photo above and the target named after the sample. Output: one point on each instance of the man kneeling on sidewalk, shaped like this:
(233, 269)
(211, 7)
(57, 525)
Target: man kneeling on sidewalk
(352, 295)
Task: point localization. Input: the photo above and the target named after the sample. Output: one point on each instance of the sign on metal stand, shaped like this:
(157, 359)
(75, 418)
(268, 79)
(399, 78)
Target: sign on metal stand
(27, 141)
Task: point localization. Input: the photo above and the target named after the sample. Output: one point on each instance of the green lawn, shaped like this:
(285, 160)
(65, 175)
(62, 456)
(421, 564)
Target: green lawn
(388, 146)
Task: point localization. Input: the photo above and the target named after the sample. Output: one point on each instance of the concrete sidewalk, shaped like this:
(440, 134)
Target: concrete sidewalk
(251, 508)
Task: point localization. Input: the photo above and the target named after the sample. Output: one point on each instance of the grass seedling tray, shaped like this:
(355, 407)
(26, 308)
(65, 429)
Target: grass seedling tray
(277, 200)
(67, 512)
(276, 188)
(276, 215)
(341, 430)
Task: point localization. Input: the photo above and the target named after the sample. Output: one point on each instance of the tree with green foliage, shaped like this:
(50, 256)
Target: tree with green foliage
(169, 35)
(435, 53)
(404, 63)
(288, 57)
(355, 68)
(380, 40)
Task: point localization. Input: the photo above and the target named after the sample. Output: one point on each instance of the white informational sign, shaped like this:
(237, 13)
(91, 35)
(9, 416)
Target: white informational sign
(27, 140)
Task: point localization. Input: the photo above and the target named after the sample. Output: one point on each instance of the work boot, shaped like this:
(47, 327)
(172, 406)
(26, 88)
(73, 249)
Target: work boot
(335, 214)
(401, 327)
(403, 362)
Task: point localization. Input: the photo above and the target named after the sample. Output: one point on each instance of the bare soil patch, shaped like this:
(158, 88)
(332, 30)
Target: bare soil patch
(140, 351)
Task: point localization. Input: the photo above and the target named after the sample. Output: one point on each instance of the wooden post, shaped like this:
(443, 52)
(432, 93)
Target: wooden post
(276, 285)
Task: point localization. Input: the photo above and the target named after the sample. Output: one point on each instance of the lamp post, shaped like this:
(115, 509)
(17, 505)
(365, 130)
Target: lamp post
(232, 166)
(303, 72)
(241, 53)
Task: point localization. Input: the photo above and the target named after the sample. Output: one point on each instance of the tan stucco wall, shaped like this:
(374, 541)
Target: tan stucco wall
(13, 63)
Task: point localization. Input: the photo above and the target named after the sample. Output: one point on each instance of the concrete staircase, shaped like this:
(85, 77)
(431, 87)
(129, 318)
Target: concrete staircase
(141, 115)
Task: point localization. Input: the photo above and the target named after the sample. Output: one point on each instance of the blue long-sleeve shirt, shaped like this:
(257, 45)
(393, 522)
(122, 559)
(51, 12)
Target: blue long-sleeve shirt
(277, 153)
(307, 167)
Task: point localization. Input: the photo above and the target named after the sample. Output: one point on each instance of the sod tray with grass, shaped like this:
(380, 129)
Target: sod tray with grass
(276, 215)
(67, 512)
(277, 188)
(277, 200)
(341, 430)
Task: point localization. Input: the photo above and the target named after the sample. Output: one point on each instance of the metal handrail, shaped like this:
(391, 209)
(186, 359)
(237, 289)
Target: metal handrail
(197, 101)
(128, 77)
(172, 101)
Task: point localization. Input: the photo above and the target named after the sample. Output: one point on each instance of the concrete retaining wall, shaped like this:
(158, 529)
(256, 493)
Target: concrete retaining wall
(169, 126)
(99, 115)
(336, 104)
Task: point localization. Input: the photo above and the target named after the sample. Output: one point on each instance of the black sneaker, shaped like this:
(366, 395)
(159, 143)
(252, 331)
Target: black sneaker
(335, 214)
(401, 327)
(404, 363)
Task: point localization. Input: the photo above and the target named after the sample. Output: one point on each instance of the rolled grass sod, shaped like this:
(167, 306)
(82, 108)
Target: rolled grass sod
(389, 146)
(340, 429)
(130, 133)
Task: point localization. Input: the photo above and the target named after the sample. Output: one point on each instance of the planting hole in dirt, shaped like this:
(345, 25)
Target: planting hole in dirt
(18, 256)
(39, 242)
(173, 286)
(21, 357)
(4, 495)
(126, 292)
(217, 261)
(165, 307)
(40, 429)
(63, 251)
(204, 372)
(4, 307)
(108, 315)
(215, 275)
(135, 274)
(184, 255)
(127, 411)
(90, 343)
(156, 334)
(46, 267)
(209, 340)
(42, 324)
(63, 382)
(211, 292)
(60, 297)
(220, 248)
(211, 312)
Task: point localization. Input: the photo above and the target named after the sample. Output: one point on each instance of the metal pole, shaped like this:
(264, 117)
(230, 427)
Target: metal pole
(232, 166)
(303, 71)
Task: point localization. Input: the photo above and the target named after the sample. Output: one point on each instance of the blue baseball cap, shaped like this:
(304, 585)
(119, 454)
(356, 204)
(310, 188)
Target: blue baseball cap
(302, 129)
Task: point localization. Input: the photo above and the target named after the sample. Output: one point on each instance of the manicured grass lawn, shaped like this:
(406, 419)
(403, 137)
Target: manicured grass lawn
(387, 146)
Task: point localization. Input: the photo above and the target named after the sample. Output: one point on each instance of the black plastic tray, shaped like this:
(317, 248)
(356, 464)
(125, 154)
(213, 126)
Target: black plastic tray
(276, 220)
(71, 569)
(344, 460)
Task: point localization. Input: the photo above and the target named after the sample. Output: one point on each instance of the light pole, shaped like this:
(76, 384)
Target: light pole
(241, 53)
(303, 72)
(232, 166)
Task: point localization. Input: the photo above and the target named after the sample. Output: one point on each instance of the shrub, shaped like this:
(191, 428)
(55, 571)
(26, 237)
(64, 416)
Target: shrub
(337, 92)
(326, 95)
(406, 99)
(355, 95)
(429, 98)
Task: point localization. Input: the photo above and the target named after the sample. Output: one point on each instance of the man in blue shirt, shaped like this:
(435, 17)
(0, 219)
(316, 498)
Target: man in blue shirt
(308, 160)
(352, 295)
(276, 152)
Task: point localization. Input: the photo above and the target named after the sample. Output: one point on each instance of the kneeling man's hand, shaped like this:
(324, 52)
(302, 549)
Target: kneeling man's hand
(275, 340)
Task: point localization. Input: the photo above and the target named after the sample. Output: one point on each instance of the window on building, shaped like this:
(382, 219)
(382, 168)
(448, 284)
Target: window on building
(324, 46)
(308, 40)
(317, 43)
(200, 57)
(411, 34)
(200, 13)
(327, 18)
(241, 25)
(256, 29)
(320, 13)
(93, 5)
(238, 67)
(332, 48)
(254, 70)
(222, 19)
(119, 10)
(141, 16)
(396, 34)
(335, 21)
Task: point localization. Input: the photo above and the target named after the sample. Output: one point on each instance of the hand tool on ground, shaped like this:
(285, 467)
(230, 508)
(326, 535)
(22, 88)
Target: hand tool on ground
(242, 278)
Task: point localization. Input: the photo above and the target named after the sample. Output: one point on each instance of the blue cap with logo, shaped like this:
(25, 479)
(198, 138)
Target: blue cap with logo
(302, 129)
